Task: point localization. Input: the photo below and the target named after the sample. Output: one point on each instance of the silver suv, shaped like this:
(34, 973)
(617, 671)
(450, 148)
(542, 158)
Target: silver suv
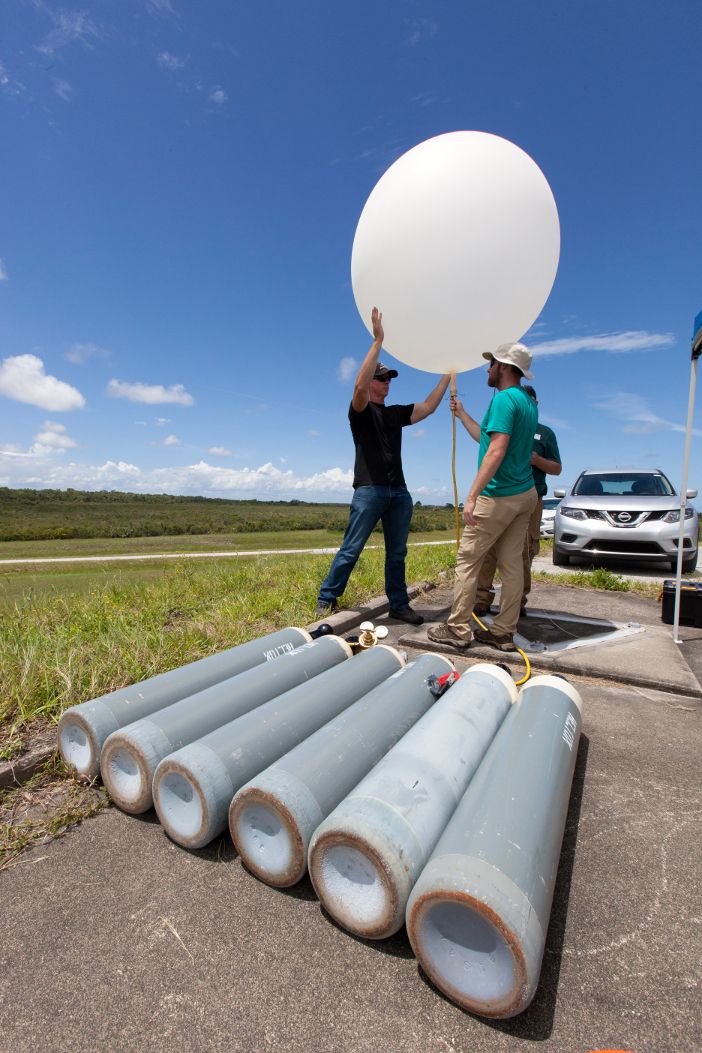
(624, 514)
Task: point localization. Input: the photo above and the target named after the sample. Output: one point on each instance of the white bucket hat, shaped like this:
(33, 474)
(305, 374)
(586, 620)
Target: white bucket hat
(513, 355)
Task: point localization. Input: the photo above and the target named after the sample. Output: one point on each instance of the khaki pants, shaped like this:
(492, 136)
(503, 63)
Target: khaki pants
(485, 595)
(502, 523)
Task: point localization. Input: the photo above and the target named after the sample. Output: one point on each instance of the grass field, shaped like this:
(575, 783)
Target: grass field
(27, 515)
(60, 645)
(107, 546)
(32, 580)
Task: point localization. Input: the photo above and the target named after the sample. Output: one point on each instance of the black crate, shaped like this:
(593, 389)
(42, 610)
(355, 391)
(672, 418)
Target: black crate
(690, 603)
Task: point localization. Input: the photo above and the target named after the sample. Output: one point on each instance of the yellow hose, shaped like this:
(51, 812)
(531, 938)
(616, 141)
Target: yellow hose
(527, 663)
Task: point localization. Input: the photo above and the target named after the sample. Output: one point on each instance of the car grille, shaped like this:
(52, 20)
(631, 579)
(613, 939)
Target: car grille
(610, 516)
(649, 548)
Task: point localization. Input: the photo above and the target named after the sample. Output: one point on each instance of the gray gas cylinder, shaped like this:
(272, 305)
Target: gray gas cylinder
(130, 756)
(194, 786)
(84, 728)
(366, 856)
(272, 818)
(478, 914)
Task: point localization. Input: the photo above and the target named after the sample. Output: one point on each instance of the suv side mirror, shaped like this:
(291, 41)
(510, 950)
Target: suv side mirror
(561, 493)
(690, 493)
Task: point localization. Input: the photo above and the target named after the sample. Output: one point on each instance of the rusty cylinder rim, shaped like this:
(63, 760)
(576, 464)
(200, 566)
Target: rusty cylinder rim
(354, 885)
(127, 777)
(267, 837)
(469, 953)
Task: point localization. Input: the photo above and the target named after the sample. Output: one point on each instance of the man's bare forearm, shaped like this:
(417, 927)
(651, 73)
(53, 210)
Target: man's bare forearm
(470, 424)
(427, 407)
(544, 464)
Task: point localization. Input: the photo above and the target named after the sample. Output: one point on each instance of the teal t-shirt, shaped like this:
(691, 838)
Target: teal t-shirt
(545, 445)
(513, 413)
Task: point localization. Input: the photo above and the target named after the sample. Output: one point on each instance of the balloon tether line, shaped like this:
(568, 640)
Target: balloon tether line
(527, 672)
(453, 460)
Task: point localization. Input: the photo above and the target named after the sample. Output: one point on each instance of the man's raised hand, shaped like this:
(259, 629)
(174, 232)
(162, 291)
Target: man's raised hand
(377, 323)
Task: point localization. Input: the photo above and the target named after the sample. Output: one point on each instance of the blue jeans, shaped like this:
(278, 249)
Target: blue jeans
(392, 505)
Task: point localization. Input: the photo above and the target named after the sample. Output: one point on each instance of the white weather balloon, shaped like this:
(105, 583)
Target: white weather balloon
(458, 246)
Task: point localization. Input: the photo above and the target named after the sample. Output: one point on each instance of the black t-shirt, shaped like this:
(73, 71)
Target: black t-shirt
(377, 433)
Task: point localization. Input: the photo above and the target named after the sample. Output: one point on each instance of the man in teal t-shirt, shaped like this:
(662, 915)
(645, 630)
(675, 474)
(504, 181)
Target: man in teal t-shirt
(499, 503)
(545, 460)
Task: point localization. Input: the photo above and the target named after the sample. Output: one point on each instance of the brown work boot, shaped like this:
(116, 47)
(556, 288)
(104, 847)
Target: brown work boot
(502, 643)
(444, 634)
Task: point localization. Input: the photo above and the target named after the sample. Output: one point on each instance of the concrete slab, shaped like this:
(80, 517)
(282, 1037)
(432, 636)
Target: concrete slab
(648, 659)
(115, 938)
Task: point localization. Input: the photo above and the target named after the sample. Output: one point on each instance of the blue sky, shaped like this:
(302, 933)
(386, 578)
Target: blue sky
(179, 190)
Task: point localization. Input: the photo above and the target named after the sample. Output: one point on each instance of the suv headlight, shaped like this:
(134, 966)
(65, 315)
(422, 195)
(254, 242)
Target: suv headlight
(674, 515)
(573, 513)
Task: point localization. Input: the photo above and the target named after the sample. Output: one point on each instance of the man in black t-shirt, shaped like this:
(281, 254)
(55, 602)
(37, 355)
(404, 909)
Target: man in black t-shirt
(380, 492)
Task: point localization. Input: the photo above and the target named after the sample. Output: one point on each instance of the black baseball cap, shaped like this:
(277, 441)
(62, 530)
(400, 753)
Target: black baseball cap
(383, 373)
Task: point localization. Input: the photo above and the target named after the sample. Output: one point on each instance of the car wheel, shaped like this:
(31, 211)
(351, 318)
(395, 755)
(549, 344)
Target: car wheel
(560, 558)
(688, 565)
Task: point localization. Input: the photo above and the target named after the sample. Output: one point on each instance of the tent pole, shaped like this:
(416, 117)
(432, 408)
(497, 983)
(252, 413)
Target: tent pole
(696, 350)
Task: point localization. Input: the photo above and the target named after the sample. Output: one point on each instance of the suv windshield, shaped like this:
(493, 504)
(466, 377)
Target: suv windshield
(627, 484)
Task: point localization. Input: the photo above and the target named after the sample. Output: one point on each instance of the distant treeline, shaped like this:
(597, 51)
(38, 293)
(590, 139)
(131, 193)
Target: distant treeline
(33, 515)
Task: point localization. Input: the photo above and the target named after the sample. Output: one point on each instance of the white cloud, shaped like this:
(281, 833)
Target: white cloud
(69, 26)
(10, 450)
(615, 343)
(424, 98)
(160, 7)
(437, 495)
(417, 433)
(635, 416)
(312, 434)
(205, 479)
(167, 60)
(346, 369)
(53, 439)
(22, 378)
(80, 353)
(4, 276)
(160, 421)
(554, 422)
(220, 451)
(171, 440)
(54, 436)
(150, 393)
(421, 29)
(8, 85)
(218, 96)
(63, 89)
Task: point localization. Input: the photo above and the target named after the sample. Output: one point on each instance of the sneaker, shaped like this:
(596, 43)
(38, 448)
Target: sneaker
(502, 643)
(405, 614)
(324, 608)
(444, 634)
